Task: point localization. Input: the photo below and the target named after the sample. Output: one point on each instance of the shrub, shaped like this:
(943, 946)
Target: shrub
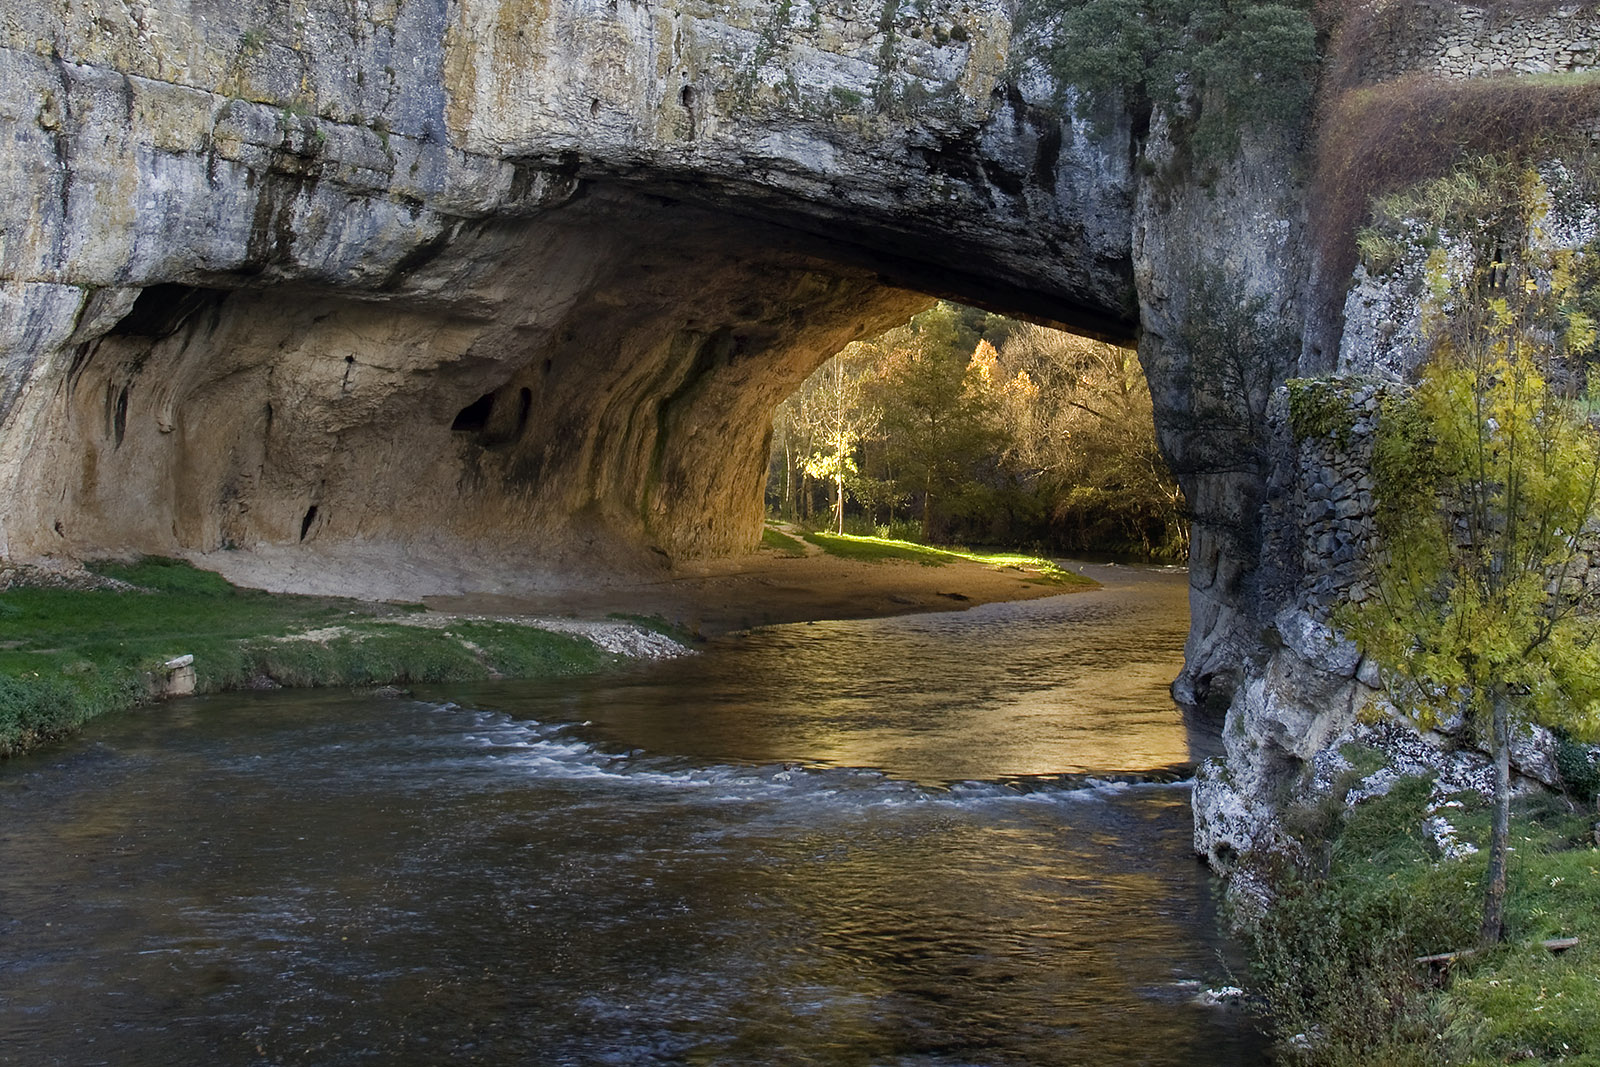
(1381, 139)
(1243, 63)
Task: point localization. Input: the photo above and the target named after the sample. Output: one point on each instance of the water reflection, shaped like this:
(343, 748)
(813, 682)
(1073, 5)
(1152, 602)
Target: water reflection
(702, 875)
(1075, 683)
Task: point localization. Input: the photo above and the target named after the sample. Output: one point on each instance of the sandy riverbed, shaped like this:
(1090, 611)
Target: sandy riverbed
(767, 587)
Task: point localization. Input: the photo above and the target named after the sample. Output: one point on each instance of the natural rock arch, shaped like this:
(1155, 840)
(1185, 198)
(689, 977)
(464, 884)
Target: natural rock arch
(434, 284)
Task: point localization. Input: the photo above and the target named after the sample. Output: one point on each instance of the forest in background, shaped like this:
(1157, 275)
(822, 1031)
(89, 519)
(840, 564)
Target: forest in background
(965, 426)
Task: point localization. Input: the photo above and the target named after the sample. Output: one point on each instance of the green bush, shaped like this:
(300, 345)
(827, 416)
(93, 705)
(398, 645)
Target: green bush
(900, 530)
(1320, 408)
(1335, 954)
(1579, 765)
(1247, 64)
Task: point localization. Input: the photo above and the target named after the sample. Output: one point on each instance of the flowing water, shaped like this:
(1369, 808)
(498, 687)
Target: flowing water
(896, 842)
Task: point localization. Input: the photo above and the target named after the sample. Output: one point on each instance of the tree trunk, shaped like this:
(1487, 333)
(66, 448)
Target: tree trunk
(839, 446)
(927, 512)
(1494, 890)
(788, 478)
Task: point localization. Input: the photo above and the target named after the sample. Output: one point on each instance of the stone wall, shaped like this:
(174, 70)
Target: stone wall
(1313, 690)
(1334, 423)
(1465, 41)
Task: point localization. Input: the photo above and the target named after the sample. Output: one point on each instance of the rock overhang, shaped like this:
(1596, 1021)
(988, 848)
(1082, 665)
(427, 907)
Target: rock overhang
(624, 261)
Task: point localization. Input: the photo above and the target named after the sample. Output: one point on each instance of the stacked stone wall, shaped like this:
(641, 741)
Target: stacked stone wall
(1462, 41)
(1335, 494)
(1329, 495)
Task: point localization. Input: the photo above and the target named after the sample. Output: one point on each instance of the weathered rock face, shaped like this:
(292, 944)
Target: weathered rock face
(1310, 690)
(1223, 288)
(397, 297)
(494, 283)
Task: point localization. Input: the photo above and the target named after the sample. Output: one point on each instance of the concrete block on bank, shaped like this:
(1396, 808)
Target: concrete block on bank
(177, 678)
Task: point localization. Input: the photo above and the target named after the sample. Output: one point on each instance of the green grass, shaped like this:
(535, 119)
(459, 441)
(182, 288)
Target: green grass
(1335, 956)
(67, 656)
(877, 549)
(779, 541)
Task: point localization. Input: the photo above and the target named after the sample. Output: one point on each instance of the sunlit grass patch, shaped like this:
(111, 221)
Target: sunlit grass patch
(872, 549)
(875, 549)
(779, 541)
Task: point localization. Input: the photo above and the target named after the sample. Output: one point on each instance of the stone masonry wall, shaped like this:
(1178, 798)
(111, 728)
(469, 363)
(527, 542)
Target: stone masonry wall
(1334, 487)
(1461, 41)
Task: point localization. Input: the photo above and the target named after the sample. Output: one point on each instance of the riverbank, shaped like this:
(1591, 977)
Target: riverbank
(1368, 952)
(76, 645)
(822, 577)
(846, 843)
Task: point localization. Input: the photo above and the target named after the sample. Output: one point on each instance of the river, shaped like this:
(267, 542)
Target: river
(932, 840)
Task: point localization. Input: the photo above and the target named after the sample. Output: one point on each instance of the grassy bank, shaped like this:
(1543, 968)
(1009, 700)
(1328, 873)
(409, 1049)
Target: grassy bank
(68, 655)
(875, 549)
(1337, 953)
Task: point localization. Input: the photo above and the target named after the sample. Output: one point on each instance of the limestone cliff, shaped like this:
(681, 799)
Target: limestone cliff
(1305, 685)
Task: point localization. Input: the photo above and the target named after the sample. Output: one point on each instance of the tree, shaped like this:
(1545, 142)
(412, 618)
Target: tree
(1243, 62)
(1486, 474)
(791, 442)
(938, 416)
(1082, 431)
(840, 417)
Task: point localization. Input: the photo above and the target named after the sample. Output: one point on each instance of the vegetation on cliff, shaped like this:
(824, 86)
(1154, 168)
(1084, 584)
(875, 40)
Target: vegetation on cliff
(1217, 66)
(1486, 478)
(1413, 928)
(1377, 138)
(1342, 954)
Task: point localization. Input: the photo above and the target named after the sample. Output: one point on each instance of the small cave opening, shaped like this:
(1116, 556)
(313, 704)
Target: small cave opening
(160, 310)
(307, 522)
(474, 418)
(686, 96)
(119, 417)
(524, 409)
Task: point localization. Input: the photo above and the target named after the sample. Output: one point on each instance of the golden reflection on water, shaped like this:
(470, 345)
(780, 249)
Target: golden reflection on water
(1066, 685)
(327, 878)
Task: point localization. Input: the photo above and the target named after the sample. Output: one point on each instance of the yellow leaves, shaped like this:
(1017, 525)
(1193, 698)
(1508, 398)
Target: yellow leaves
(1581, 333)
(984, 367)
(1022, 388)
(1536, 199)
(1500, 312)
(1470, 592)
